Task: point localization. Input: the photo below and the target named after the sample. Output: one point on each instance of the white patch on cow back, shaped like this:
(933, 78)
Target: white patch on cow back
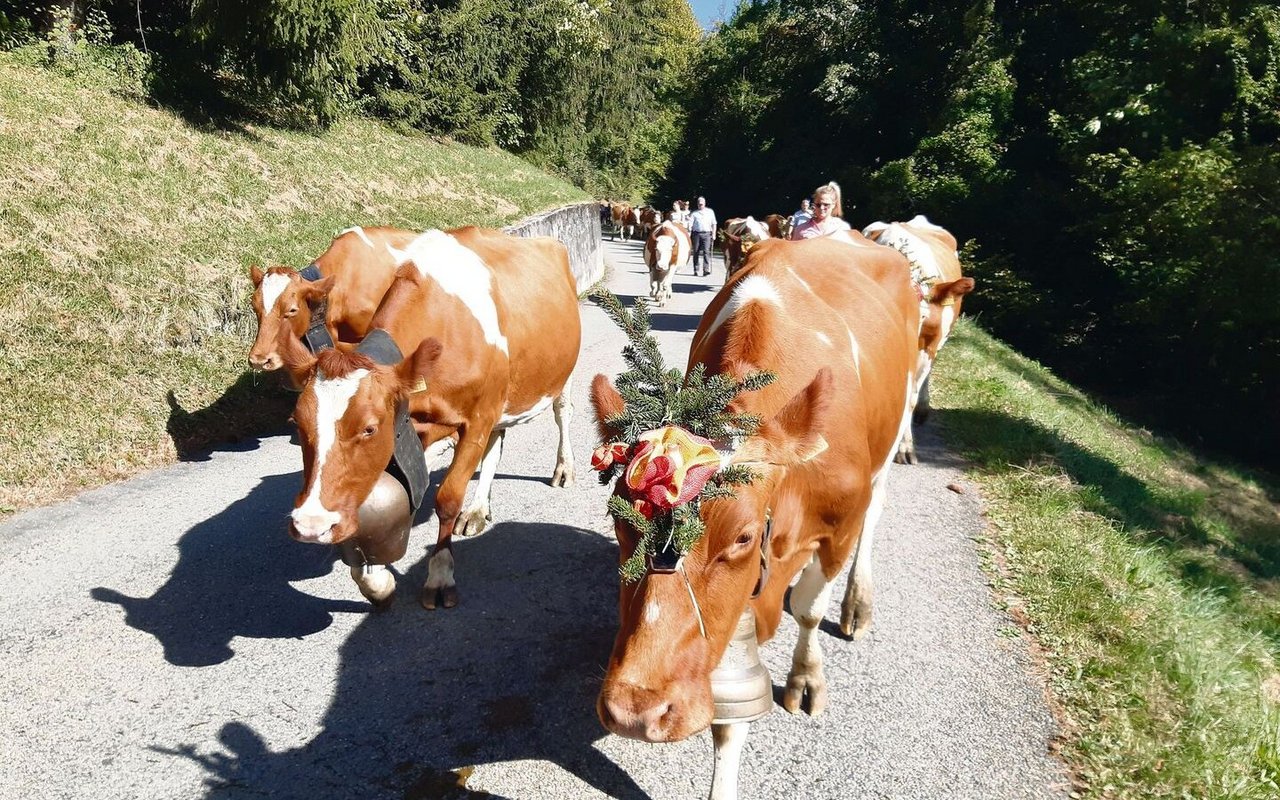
(358, 231)
(333, 395)
(921, 221)
(273, 285)
(855, 353)
(652, 612)
(753, 288)
(875, 228)
(822, 337)
(461, 273)
(521, 417)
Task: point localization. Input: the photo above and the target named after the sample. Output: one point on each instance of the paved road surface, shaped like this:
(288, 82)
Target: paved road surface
(164, 638)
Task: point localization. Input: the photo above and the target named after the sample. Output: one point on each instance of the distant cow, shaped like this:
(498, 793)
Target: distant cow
(622, 215)
(838, 326)
(935, 271)
(488, 328)
(740, 235)
(666, 249)
(650, 218)
(779, 226)
(349, 278)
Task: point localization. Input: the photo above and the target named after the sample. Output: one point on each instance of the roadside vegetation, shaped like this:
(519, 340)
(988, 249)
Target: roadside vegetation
(1150, 579)
(125, 239)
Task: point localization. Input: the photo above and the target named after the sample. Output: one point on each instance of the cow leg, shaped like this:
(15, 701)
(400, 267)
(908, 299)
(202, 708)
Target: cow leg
(855, 611)
(809, 599)
(441, 586)
(562, 408)
(907, 444)
(376, 583)
(728, 740)
(474, 518)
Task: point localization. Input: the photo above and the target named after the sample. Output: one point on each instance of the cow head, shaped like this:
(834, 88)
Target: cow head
(663, 246)
(281, 301)
(658, 684)
(939, 310)
(346, 425)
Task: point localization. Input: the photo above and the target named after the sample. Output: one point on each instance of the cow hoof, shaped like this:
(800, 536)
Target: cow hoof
(433, 597)
(815, 686)
(382, 603)
(855, 620)
(473, 522)
(906, 456)
(563, 477)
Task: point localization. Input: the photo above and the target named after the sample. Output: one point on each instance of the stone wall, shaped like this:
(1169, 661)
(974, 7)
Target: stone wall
(578, 226)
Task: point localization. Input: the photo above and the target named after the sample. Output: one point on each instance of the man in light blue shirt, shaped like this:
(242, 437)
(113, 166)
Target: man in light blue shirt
(702, 226)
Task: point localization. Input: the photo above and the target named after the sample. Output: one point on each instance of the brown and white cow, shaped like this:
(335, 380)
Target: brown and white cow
(356, 271)
(666, 249)
(740, 235)
(779, 226)
(620, 214)
(489, 328)
(935, 270)
(838, 326)
(650, 218)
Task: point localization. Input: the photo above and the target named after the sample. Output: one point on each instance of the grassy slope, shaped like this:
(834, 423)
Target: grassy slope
(125, 236)
(1148, 576)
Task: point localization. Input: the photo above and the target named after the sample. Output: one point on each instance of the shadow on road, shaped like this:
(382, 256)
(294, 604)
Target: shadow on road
(420, 697)
(256, 404)
(232, 579)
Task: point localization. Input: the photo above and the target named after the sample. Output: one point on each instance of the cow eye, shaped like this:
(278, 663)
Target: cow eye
(743, 539)
(369, 431)
(291, 311)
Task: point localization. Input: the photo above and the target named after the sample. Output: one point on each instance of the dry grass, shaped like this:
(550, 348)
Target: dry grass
(125, 236)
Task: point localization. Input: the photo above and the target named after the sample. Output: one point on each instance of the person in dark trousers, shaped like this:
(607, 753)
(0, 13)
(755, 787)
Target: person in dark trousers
(702, 226)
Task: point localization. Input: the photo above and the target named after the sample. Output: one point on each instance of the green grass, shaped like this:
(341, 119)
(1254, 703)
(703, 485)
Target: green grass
(1148, 576)
(125, 240)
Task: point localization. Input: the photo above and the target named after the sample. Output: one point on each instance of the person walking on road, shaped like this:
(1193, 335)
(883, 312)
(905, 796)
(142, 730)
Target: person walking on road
(827, 214)
(803, 215)
(702, 226)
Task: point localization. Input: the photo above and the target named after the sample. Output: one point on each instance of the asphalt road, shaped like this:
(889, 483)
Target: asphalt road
(164, 638)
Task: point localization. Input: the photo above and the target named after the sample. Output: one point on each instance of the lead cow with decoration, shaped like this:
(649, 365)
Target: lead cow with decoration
(837, 327)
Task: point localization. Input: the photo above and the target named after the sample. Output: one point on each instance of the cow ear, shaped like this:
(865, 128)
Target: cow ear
(951, 289)
(794, 434)
(607, 404)
(256, 275)
(315, 291)
(416, 370)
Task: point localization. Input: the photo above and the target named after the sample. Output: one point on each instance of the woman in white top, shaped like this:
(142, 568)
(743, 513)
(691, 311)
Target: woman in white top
(827, 214)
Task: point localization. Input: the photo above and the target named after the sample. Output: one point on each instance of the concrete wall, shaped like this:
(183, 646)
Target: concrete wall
(578, 226)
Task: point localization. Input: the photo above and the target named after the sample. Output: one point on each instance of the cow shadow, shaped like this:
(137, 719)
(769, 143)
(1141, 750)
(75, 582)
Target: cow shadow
(254, 405)
(233, 579)
(421, 697)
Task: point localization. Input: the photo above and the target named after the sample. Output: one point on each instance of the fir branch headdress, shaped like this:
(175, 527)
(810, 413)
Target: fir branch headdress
(663, 439)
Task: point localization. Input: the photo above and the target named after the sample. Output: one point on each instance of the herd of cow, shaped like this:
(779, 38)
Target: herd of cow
(459, 335)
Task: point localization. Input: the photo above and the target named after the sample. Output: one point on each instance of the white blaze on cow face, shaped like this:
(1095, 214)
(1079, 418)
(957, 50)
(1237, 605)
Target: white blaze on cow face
(312, 520)
(652, 612)
(273, 285)
(663, 247)
(459, 272)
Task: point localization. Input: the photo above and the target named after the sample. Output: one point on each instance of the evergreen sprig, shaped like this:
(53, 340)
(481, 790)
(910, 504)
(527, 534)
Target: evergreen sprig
(654, 396)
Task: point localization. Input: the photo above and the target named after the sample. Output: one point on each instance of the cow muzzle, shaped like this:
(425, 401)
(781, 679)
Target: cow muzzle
(267, 363)
(654, 716)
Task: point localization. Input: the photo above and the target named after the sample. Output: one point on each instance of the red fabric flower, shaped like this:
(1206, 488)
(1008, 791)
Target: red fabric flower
(607, 454)
(669, 466)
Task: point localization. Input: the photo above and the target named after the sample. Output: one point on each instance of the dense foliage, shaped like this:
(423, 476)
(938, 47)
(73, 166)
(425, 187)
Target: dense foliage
(587, 88)
(1113, 168)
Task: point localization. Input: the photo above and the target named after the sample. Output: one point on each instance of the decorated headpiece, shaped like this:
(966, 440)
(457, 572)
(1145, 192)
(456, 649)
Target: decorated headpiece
(663, 443)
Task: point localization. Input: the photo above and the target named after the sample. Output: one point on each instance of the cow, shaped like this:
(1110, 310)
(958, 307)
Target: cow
(740, 235)
(779, 226)
(665, 250)
(489, 329)
(354, 274)
(621, 214)
(650, 218)
(935, 271)
(837, 325)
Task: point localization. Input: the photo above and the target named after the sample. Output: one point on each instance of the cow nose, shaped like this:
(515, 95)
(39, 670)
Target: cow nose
(637, 715)
(313, 526)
